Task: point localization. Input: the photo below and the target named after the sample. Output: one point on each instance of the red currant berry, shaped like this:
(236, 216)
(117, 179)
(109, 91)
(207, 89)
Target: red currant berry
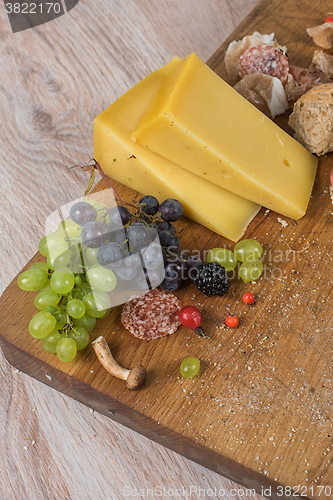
(329, 19)
(191, 318)
(231, 321)
(249, 298)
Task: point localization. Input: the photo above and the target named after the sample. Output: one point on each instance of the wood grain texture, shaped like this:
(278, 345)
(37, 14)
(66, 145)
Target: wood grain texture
(54, 80)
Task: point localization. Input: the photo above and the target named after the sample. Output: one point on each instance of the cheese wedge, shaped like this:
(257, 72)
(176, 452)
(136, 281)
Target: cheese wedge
(149, 173)
(201, 123)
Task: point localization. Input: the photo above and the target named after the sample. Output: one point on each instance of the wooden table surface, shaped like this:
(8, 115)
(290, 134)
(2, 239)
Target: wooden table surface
(54, 80)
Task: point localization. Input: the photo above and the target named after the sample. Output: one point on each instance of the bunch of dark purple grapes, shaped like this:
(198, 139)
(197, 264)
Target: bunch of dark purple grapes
(177, 266)
(131, 239)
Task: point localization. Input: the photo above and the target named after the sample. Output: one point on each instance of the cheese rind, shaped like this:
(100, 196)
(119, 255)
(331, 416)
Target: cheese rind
(149, 173)
(202, 124)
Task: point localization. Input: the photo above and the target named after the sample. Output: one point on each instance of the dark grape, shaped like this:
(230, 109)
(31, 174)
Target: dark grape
(152, 256)
(94, 234)
(155, 277)
(110, 253)
(175, 269)
(119, 215)
(174, 274)
(193, 261)
(153, 234)
(82, 212)
(177, 253)
(167, 226)
(149, 205)
(116, 235)
(138, 235)
(132, 260)
(169, 239)
(162, 225)
(193, 264)
(171, 253)
(170, 285)
(140, 281)
(171, 210)
(125, 273)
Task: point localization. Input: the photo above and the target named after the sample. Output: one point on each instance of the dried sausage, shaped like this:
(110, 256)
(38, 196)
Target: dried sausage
(264, 59)
(152, 315)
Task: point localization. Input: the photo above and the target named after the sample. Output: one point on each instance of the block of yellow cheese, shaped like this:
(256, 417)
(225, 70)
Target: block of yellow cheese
(149, 173)
(201, 123)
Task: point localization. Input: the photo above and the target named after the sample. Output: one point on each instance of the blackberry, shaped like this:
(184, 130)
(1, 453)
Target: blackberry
(212, 279)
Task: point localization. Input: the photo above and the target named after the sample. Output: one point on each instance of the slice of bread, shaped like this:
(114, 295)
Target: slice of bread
(312, 119)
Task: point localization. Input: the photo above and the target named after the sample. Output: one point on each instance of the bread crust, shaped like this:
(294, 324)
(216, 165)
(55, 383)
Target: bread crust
(312, 119)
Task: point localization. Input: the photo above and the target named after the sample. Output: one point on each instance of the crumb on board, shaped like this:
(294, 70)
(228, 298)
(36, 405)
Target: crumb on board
(283, 222)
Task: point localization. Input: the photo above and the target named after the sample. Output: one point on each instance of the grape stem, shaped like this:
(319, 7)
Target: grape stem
(200, 332)
(135, 378)
(119, 199)
(76, 331)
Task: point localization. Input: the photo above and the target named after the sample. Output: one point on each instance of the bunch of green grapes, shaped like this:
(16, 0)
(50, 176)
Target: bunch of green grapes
(247, 252)
(72, 291)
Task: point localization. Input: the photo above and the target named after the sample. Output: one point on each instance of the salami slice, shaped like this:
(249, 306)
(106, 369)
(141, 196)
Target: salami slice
(153, 315)
(264, 59)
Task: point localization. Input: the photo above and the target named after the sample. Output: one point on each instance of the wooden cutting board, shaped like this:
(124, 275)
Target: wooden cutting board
(260, 410)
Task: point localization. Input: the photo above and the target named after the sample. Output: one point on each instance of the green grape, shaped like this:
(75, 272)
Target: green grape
(66, 349)
(91, 255)
(76, 308)
(59, 257)
(40, 265)
(62, 281)
(51, 309)
(251, 270)
(77, 263)
(50, 342)
(106, 313)
(100, 207)
(76, 248)
(42, 324)
(46, 287)
(61, 318)
(223, 256)
(32, 279)
(102, 279)
(81, 337)
(46, 298)
(87, 322)
(51, 242)
(68, 229)
(78, 280)
(189, 367)
(82, 291)
(96, 304)
(49, 263)
(248, 250)
(42, 247)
